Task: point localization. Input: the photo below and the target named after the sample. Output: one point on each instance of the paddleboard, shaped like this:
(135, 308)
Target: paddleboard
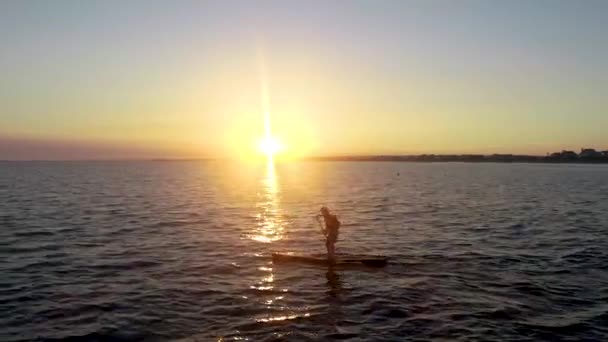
(367, 260)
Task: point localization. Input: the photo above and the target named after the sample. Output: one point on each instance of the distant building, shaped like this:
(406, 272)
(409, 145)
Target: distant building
(605, 153)
(569, 155)
(589, 153)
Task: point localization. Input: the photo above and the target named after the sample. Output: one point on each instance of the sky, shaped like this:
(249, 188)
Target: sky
(195, 79)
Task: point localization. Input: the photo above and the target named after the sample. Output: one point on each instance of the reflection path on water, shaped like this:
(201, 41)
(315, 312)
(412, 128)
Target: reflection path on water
(273, 299)
(270, 223)
(271, 228)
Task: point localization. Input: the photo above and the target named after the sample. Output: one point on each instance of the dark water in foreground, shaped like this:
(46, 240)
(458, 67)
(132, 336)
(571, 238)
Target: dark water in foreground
(180, 250)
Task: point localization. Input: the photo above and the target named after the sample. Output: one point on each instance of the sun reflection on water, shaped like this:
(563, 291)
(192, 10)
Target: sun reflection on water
(270, 225)
(282, 318)
(270, 228)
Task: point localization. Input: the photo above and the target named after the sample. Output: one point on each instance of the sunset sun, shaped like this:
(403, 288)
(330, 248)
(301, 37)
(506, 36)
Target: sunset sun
(270, 146)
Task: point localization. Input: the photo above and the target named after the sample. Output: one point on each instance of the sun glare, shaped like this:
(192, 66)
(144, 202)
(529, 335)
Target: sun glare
(270, 146)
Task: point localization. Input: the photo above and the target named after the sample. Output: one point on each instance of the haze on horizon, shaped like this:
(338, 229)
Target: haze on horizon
(181, 79)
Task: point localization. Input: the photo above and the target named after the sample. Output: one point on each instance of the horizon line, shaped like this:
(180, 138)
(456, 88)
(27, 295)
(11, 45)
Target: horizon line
(302, 158)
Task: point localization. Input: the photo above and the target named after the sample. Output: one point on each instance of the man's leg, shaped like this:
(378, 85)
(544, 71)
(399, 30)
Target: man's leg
(331, 248)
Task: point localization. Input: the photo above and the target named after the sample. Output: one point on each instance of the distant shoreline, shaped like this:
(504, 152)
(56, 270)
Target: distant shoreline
(586, 156)
(424, 158)
(468, 158)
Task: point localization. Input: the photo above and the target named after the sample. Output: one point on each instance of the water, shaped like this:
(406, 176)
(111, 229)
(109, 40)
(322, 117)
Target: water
(180, 250)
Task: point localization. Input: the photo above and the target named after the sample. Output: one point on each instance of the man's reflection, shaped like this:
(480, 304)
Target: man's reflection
(333, 281)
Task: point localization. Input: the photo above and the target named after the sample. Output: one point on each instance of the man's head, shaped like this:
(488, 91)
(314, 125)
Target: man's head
(324, 211)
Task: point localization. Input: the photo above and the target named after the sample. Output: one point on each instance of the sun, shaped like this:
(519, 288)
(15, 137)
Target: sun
(270, 146)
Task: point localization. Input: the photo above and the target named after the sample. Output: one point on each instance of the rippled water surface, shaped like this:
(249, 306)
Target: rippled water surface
(181, 250)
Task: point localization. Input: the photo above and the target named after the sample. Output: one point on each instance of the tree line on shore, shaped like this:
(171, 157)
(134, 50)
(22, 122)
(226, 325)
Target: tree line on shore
(587, 155)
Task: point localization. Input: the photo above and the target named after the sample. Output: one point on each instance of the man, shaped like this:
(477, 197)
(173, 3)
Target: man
(330, 230)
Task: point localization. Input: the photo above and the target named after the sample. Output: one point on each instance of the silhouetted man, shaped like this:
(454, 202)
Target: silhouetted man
(330, 230)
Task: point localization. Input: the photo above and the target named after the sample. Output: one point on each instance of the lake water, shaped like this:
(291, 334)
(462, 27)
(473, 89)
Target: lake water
(181, 250)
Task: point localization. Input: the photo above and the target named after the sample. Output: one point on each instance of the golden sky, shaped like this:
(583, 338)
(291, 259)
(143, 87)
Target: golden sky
(181, 79)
